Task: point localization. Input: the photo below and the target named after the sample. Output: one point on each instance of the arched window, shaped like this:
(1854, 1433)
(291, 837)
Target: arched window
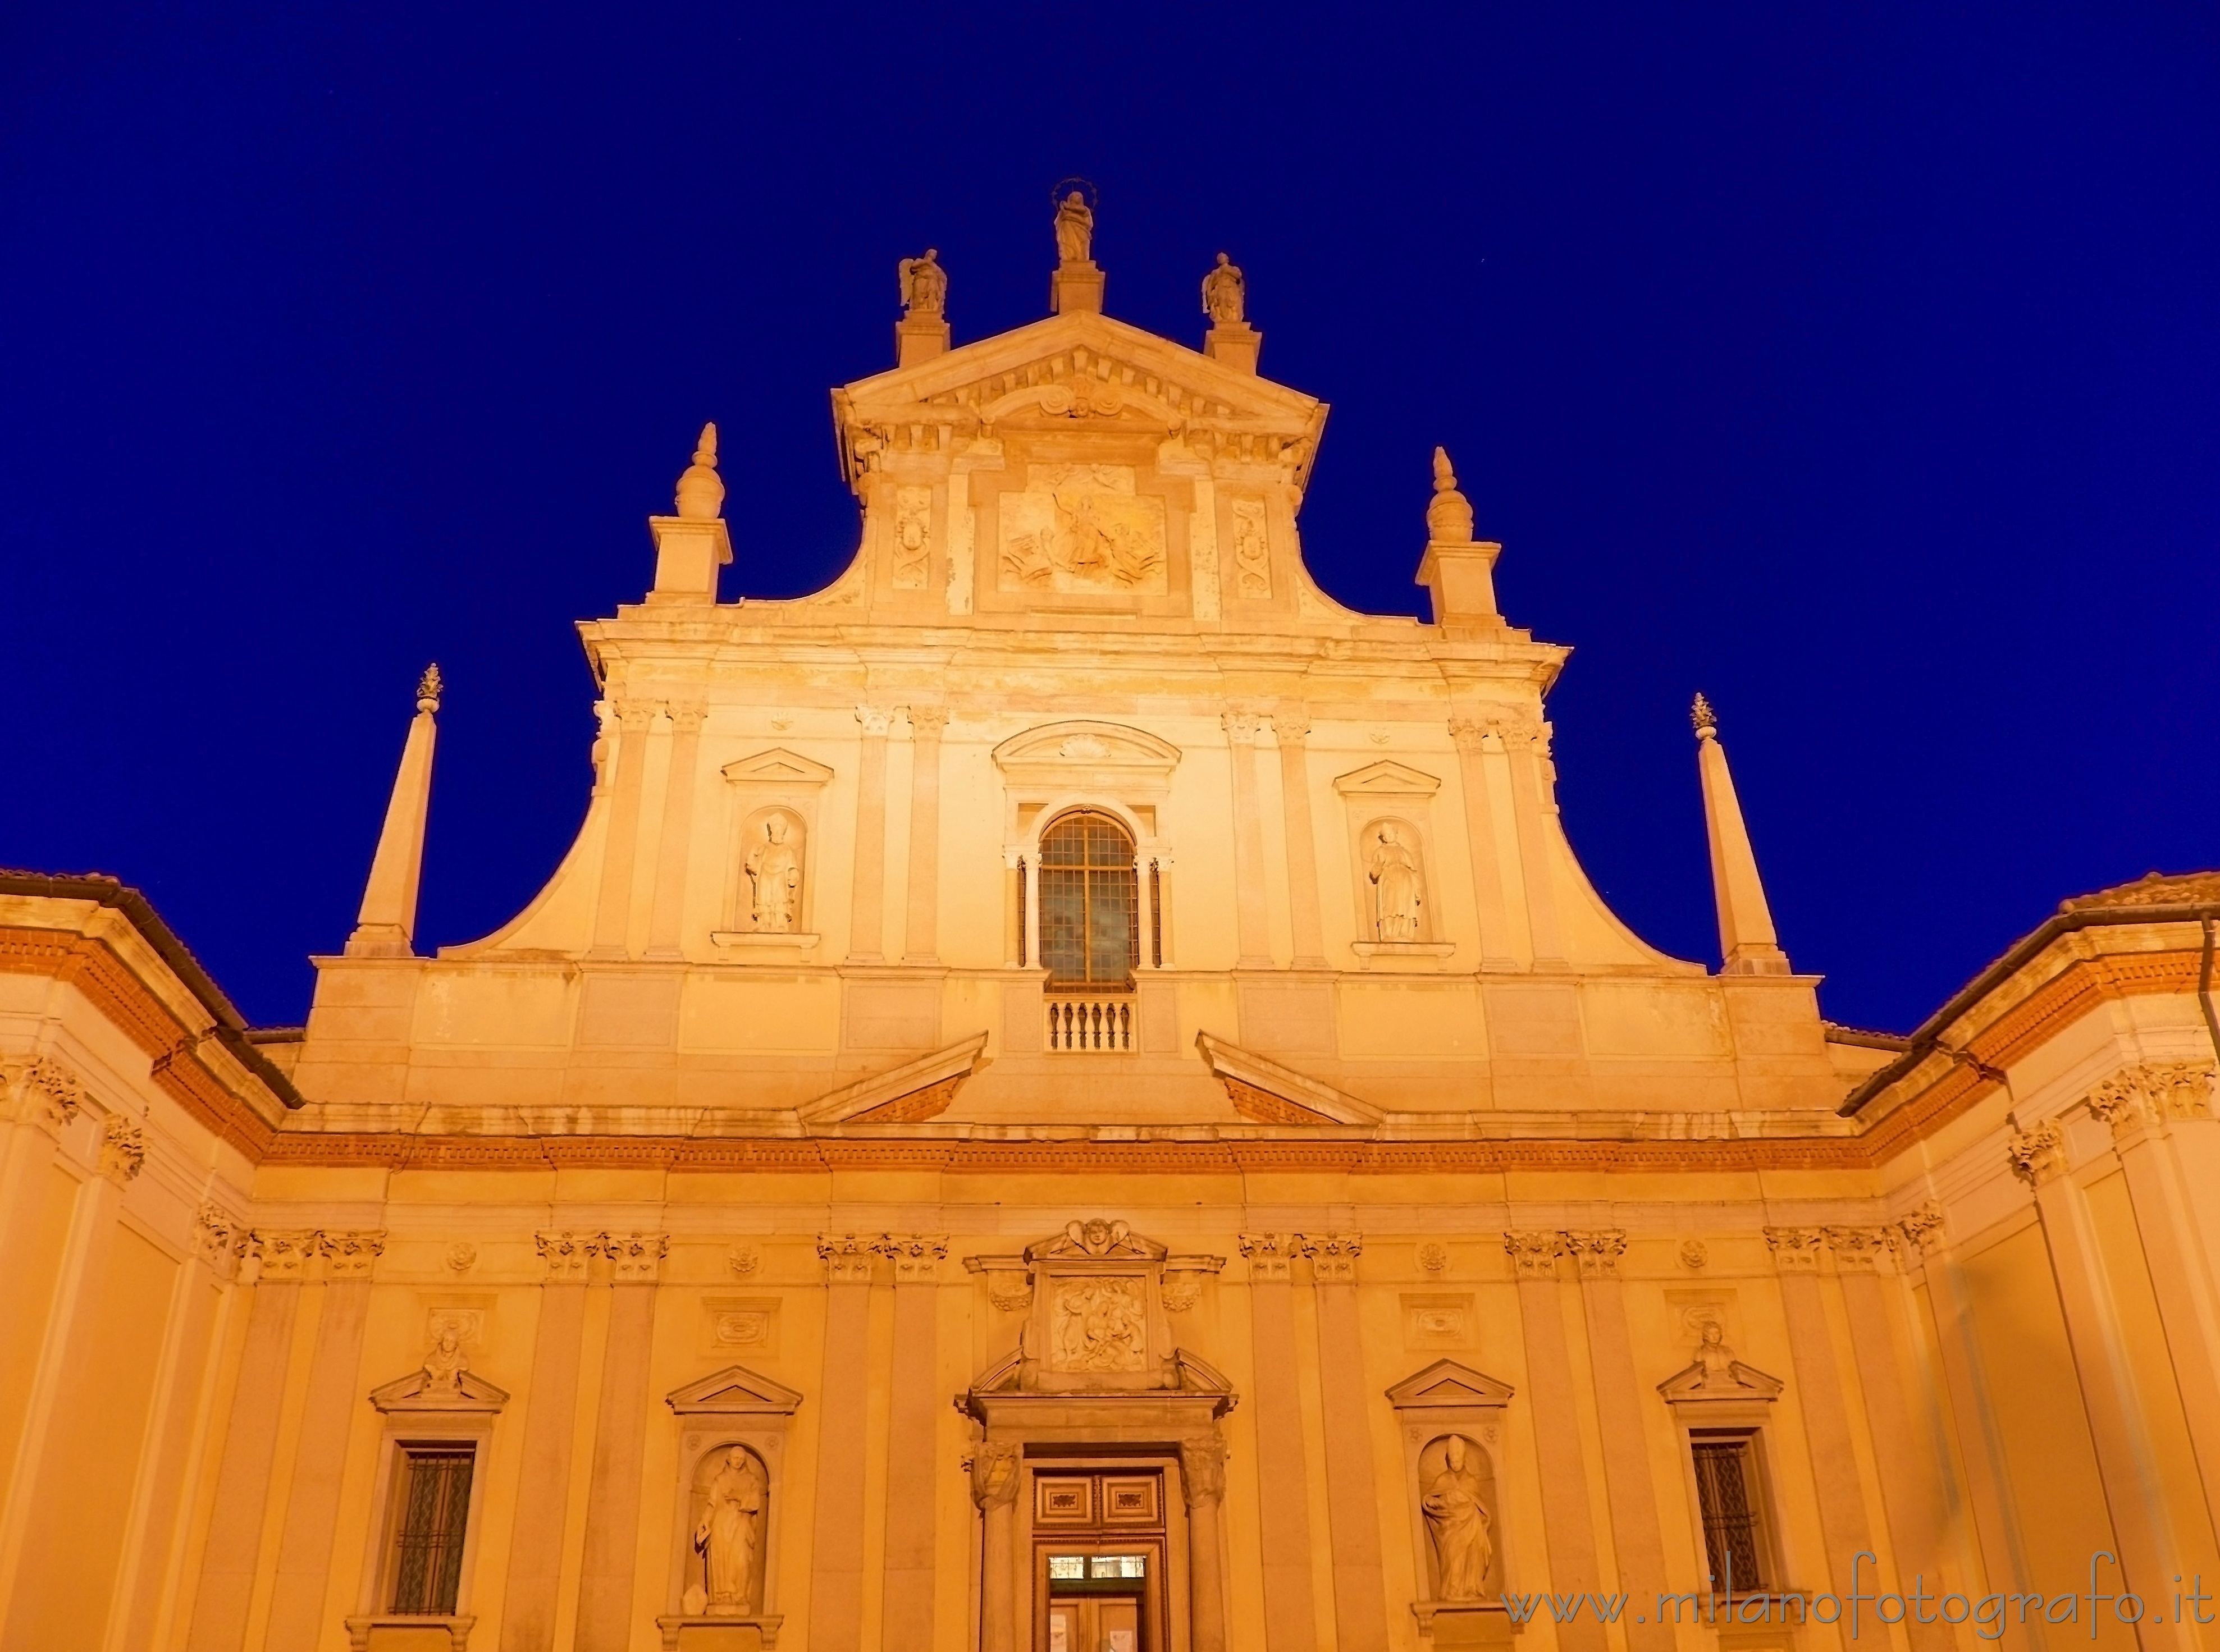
(1090, 900)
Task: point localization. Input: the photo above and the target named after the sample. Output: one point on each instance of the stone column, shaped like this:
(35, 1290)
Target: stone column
(242, 1485)
(621, 844)
(914, 1413)
(1164, 904)
(605, 1581)
(994, 1479)
(1292, 728)
(1283, 1465)
(1980, 1441)
(921, 945)
(2126, 1459)
(1619, 1392)
(1843, 1527)
(543, 1489)
(668, 912)
(1495, 949)
(1526, 744)
(1252, 924)
(1910, 1462)
(836, 1558)
(1032, 927)
(867, 892)
(1359, 1604)
(2142, 1107)
(305, 1550)
(1014, 909)
(1568, 1526)
(1202, 1483)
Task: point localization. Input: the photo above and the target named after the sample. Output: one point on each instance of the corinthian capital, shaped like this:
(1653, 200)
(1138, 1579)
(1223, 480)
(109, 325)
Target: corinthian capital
(2038, 1154)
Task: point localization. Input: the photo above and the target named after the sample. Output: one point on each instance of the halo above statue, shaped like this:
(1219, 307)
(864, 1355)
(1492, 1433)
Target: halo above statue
(1085, 186)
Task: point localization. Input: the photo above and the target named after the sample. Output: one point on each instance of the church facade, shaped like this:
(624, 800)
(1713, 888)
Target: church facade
(1071, 1095)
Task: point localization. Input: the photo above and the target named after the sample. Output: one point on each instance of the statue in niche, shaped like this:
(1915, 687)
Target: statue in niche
(730, 1535)
(1225, 294)
(776, 871)
(1458, 1524)
(1075, 229)
(925, 285)
(1394, 872)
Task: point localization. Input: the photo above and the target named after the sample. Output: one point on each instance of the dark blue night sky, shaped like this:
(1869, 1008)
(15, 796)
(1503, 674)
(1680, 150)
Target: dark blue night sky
(1858, 364)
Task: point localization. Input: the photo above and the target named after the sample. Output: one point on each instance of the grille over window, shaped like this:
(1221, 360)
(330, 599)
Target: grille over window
(435, 1502)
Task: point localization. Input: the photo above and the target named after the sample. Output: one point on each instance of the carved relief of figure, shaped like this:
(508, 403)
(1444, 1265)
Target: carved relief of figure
(1075, 229)
(925, 285)
(730, 1534)
(776, 871)
(1101, 1325)
(1458, 1524)
(444, 1365)
(1715, 1359)
(1225, 294)
(1394, 871)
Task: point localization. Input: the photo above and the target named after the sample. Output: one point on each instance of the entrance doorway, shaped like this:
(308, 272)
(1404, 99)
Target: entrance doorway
(1099, 1561)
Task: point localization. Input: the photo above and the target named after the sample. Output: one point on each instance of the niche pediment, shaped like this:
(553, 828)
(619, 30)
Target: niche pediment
(1388, 778)
(1449, 1383)
(733, 1392)
(776, 767)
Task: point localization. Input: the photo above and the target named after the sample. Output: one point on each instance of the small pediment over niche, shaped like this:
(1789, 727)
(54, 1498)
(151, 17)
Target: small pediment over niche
(777, 767)
(1387, 778)
(733, 1392)
(1070, 750)
(1447, 1382)
(458, 1394)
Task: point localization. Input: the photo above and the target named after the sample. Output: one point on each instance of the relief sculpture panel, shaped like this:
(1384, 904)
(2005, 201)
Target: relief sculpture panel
(1083, 529)
(1101, 1325)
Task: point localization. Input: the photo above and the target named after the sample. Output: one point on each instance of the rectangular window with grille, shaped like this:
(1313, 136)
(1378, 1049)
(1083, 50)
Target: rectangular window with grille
(427, 1539)
(1727, 1489)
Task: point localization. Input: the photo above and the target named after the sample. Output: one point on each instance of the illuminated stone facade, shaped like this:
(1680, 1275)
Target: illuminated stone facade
(1072, 966)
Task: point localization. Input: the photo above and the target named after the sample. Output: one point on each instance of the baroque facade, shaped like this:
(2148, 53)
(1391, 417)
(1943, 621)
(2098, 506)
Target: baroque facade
(1071, 1095)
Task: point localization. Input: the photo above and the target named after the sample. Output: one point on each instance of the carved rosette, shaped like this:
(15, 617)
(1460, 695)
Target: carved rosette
(41, 1092)
(2038, 1154)
(744, 1260)
(1269, 1254)
(1333, 1255)
(847, 1258)
(994, 1466)
(1202, 1469)
(917, 1257)
(1534, 1252)
(122, 1149)
(1796, 1250)
(1596, 1251)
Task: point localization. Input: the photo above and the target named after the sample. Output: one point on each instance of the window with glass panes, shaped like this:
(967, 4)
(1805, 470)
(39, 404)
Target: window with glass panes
(1726, 1489)
(427, 1538)
(1089, 903)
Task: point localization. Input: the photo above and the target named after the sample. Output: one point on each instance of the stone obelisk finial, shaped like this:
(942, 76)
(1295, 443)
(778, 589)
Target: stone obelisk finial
(691, 544)
(1459, 570)
(1747, 944)
(385, 927)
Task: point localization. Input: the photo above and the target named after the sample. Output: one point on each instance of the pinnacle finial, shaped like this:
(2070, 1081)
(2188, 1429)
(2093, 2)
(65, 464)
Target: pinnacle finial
(428, 688)
(1706, 721)
(701, 490)
(1448, 517)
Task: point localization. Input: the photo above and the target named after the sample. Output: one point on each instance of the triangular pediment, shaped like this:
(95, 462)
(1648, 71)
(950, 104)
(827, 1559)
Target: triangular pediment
(1449, 1383)
(420, 1390)
(777, 767)
(1737, 1382)
(1387, 778)
(733, 1392)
